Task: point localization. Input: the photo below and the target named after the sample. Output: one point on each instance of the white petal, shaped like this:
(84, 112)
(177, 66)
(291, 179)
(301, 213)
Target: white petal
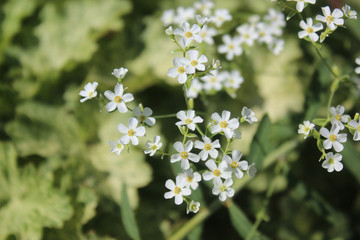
(140, 131)
(178, 199)
(170, 184)
(169, 195)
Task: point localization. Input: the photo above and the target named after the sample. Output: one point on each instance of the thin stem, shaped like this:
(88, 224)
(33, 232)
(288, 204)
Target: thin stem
(166, 115)
(325, 62)
(199, 130)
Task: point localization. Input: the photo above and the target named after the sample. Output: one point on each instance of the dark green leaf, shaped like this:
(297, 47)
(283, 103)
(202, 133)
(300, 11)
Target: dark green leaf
(128, 216)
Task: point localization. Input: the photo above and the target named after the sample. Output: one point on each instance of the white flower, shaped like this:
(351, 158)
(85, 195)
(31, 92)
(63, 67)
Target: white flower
(204, 6)
(231, 79)
(207, 148)
(331, 19)
(223, 189)
(301, 4)
(188, 119)
(224, 124)
(276, 20)
(333, 138)
(184, 154)
(333, 162)
(309, 29)
(202, 20)
(144, 116)
(221, 16)
(231, 47)
(207, 34)
(118, 99)
(116, 147)
(196, 62)
(276, 46)
(152, 147)
(179, 70)
(184, 15)
(355, 125)
(235, 165)
(216, 171)
(132, 132)
(306, 128)
(211, 81)
(357, 60)
(194, 89)
(248, 115)
(265, 33)
(251, 171)
(120, 73)
(193, 207)
(192, 178)
(89, 91)
(338, 116)
(168, 17)
(169, 31)
(248, 34)
(188, 34)
(177, 190)
(352, 14)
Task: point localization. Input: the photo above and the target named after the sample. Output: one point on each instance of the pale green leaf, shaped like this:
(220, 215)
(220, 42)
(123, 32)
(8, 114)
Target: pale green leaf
(127, 216)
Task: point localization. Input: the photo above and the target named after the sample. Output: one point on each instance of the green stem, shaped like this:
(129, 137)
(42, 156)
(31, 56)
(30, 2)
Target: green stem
(166, 116)
(325, 62)
(204, 213)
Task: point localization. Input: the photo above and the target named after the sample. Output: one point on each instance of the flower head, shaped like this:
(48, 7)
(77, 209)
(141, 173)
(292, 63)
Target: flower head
(338, 116)
(118, 99)
(231, 79)
(211, 81)
(251, 171)
(231, 47)
(144, 116)
(193, 207)
(117, 146)
(221, 16)
(120, 72)
(306, 128)
(301, 4)
(334, 139)
(177, 190)
(248, 34)
(184, 154)
(352, 14)
(357, 61)
(223, 189)
(204, 6)
(332, 19)
(179, 70)
(207, 34)
(309, 29)
(152, 147)
(224, 124)
(248, 115)
(132, 132)
(194, 89)
(188, 119)
(196, 62)
(188, 34)
(235, 165)
(207, 148)
(356, 125)
(89, 91)
(215, 172)
(332, 162)
(192, 178)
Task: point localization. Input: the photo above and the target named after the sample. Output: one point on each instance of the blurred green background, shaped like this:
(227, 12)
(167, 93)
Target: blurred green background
(58, 179)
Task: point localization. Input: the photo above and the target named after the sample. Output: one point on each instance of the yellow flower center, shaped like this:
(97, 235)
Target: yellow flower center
(223, 188)
(333, 137)
(177, 190)
(358, 128)
(131, 132)
(207, 147)
(331, 161)
(223, 124)
(213, 79)
(261, 34)
(194, 63)
(181, 70)
(307, 129)
(309, 30)
(153, 147)
(142, 118)
(119, 146)
(91, 94)
(203, 34)
(188, 34)
(217, 172)
(234, 164)
(118, 99)
(338, 117)
(231, 46)
(193, 207)
(189, 179)
(184, 155)
(188, 121)
(330, 18)
(247, 36)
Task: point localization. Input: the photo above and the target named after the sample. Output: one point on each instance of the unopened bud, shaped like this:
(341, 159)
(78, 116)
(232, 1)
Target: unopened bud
(169, 31)
(216, 64)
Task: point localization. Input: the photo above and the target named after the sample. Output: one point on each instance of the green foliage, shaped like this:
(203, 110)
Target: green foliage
(128, 216)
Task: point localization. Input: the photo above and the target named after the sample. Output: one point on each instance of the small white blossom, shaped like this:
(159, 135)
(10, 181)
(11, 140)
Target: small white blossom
(224, 124)
(231, 47)
(332, 162)
(207, 34)
(120, 72)
(310, 29)
(334, 139)
(177, 190)
(231, 79)
(355, 125)
(184, 14)
(196, 62)
(211, 81)
(189, 34)
(276, 19)
(192, 178)
(179, 70)
(276, 46)
(352, 14)
(118, 99)
(202, 20)
(306, 128)
(301, 4)
(204, 7)
(235, 165)
(248, 115)
(216, 171)
(338, 116)
(223, 189)
(193, 207)
(357, 61)
(169, 31)
(221, 16)
(152, 147)
(248, 34)
(194, 89)
(144, 116)
(265, 33)
(207, 148)
(116, 147)
(331, 19)
(251, 171)
(188, 119)
(184, 154)
(132, 132)
(89, 91)
(168, 17)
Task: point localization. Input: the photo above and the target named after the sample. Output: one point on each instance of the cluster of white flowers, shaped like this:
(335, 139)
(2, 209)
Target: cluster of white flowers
(218, 167)
(333, 138)
(136, 124)
(332, 19)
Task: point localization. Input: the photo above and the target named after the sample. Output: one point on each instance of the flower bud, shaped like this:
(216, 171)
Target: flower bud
(169, 31)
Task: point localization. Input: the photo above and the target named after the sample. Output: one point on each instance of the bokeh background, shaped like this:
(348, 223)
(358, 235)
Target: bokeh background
(58, 179)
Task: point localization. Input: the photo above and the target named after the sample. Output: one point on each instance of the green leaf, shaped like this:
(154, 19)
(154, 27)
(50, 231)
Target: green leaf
(127, 216)
(191, 135)
(290, 15)
(319, 121)
(260, 144)
(241, 223)
(351, 160)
